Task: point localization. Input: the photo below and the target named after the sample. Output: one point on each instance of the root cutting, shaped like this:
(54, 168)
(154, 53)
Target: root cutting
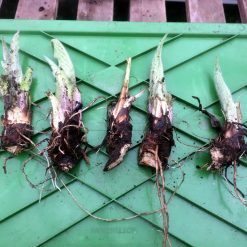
(15, 89)
(68, 133)
(158, 141)
(119, 129)
(226, 149)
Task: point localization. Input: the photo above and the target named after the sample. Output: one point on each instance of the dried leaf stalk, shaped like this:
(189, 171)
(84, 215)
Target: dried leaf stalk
(119, 130)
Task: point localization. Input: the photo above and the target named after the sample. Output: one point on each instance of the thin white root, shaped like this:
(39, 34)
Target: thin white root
(91, 103)
(177, 187)
(106, 219)
(54, 177)
(162, 199)
(53, 174)
(241, 199)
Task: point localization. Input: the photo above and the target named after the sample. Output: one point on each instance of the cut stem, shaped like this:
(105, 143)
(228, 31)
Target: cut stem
(119, 129)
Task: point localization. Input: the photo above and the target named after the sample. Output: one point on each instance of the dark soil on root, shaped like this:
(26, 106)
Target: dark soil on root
(119, 133)
(14, 135)
(228, 146)
(64, 147)
(159, 134)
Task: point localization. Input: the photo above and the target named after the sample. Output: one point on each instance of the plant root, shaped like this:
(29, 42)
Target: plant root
(158, 136)
(64, 147)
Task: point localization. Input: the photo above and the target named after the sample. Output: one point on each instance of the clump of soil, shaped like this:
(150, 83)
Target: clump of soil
(228, 147)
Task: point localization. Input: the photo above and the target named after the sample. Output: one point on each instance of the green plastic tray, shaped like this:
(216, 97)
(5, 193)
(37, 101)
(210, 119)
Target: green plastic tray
(203, 212)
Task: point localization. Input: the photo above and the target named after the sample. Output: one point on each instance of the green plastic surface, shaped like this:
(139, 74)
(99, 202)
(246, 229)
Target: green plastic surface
(203, 212)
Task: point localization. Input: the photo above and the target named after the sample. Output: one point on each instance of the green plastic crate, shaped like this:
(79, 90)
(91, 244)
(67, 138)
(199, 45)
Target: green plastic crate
(203, 212)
